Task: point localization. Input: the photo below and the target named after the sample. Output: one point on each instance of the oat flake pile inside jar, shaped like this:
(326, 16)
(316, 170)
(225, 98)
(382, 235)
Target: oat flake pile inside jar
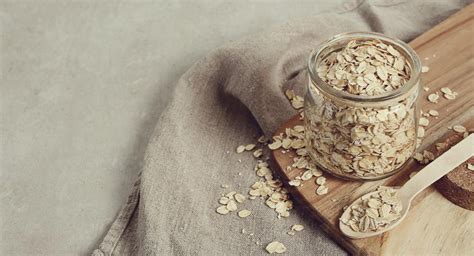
(361, 110)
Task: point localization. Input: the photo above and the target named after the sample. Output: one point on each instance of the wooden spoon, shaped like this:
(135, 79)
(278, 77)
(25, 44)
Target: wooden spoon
(427, 176)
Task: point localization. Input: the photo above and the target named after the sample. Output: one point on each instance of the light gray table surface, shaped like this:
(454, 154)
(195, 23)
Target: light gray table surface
(82, 86)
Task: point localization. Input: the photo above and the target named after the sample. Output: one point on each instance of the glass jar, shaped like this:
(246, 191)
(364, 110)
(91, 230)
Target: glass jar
(361, 137)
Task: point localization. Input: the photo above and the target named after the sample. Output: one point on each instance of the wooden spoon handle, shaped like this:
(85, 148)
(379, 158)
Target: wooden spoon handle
(439, 167)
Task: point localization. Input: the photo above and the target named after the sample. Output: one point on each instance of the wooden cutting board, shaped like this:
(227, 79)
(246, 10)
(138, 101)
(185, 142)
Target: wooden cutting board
(434, 225)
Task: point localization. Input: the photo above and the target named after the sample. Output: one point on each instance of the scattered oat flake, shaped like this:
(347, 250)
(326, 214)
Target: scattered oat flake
(222, 210)
(418, 156)
(262, 139)
(421, 132)
(425, 69)
(275, 145)
(240, 149)
(321, 180)
(249, 147)
(459, 128)
(294, 183)
(244, 213)
(433, 98)
(297, 227)
(426, 88)
(291, 233)
(297, 102)
(449, 96)
(424, 121)
(428, 156)
(433, 112)
(224, 186)
(316, 172)
(231, 206)
(275, 247)
(224, 200)
(440, 146)
(446, 90)
(322, 190)
(290, 94)
(470, 166)
(231, 194)
(239, 198)
(258, 153)
(307, 175)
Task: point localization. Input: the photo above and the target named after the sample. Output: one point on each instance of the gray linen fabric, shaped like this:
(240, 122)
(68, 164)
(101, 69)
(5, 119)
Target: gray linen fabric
(227, 99)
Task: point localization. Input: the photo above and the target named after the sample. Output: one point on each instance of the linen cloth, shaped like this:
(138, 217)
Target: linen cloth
(229, 98)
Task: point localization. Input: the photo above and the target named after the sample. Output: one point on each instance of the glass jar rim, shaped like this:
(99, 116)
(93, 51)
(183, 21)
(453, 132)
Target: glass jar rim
(405, 48)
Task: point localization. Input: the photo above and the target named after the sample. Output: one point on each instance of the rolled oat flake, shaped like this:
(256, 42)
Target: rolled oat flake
(275, 247)
(459, 128)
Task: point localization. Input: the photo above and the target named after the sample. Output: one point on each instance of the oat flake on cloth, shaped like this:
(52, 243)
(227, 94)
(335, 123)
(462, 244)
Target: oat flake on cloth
(228, 99)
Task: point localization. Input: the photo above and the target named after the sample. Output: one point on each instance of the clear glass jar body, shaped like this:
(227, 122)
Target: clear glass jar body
(361, 137)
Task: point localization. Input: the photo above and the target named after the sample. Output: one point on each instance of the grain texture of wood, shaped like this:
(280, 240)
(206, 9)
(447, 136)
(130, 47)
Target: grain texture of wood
(434, 226)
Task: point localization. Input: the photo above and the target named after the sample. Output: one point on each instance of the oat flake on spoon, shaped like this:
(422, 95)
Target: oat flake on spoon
(380, 211)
